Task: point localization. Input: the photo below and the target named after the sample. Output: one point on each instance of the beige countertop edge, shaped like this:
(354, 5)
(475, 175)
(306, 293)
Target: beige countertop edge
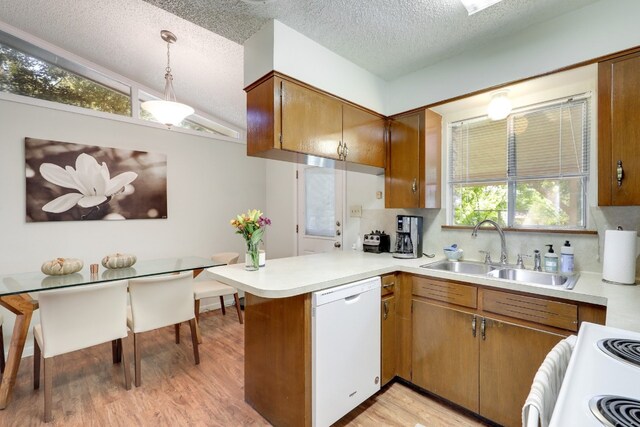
(286, 277)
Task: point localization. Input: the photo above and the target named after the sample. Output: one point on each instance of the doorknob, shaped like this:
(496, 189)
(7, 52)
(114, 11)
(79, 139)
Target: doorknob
(337, 244)
(338, 223)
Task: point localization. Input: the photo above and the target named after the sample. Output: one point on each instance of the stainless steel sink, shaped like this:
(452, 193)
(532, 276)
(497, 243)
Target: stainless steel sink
(535, 277)
(464, 267)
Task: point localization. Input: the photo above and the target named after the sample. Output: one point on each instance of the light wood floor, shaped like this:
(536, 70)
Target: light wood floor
(88, 390)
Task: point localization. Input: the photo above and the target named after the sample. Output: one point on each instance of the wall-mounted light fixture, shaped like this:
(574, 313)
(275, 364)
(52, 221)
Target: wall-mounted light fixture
(168, 111)
(500, 105)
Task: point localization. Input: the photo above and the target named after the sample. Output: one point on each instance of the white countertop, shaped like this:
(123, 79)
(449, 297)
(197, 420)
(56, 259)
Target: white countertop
(287, 277)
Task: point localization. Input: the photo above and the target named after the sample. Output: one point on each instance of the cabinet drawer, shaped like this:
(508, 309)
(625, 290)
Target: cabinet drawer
(388, 284)
(453, 293)
(551, 313)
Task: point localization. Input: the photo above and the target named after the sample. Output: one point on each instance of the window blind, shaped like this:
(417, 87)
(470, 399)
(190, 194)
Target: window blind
(540, 142)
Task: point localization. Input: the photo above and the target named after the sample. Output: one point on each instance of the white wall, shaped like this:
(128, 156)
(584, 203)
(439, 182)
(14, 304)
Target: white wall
(595, 30)
(281, 209)
(302, 58)
(209, 182)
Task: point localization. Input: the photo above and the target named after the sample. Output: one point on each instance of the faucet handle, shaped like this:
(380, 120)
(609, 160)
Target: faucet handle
(487, 257)
(519, 262)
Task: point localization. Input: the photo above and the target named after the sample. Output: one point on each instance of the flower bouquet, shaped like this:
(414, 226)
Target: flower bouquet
(251, 226)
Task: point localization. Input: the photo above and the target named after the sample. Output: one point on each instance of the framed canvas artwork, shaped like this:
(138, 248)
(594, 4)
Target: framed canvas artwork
(73, 182)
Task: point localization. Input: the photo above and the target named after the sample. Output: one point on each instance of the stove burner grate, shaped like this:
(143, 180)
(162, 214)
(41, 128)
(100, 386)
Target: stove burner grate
(616, 411)
(622, 349)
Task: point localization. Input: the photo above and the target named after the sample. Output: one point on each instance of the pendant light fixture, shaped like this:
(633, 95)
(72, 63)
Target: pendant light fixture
(168, 111)
(500, 105)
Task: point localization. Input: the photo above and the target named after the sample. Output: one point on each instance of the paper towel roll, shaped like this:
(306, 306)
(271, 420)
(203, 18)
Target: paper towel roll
(619, 264)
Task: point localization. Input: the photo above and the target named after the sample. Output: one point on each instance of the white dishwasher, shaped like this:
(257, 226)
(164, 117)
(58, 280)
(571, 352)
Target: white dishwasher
(345, 361)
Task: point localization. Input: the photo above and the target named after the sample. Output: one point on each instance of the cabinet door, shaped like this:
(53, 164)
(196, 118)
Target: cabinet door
(311, 122)
(263, 117)
(510, 356)
(363, 134)
(445, 353)
(403, 170)
(388, 339)
(619, 130)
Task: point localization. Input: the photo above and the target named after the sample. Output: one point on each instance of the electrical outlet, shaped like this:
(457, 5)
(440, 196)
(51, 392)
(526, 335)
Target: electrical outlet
(355, 211)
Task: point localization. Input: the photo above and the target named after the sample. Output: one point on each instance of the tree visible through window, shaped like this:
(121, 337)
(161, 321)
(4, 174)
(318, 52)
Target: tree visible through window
(529, 170)
(26, 75)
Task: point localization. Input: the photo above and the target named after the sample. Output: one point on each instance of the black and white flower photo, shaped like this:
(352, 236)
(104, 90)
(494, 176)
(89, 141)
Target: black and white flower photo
(68, 182)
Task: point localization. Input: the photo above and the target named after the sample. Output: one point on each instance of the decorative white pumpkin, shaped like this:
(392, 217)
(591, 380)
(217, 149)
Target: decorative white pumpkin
(61, 266)
(118, 260)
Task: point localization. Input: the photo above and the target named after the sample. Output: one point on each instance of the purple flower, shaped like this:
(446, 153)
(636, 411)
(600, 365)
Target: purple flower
(263, 221)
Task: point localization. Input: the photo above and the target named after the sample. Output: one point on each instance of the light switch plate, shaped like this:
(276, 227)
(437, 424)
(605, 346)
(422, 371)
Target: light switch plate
(355, 211)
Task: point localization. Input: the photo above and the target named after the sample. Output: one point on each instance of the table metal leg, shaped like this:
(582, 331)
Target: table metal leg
(22, 306)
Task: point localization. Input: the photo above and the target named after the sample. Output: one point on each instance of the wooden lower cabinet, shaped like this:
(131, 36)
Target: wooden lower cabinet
(510, 355)
(445, 353)
(388, 339)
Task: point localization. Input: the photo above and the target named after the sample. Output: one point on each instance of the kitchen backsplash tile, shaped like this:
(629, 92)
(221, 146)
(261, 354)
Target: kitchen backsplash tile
(588, 248)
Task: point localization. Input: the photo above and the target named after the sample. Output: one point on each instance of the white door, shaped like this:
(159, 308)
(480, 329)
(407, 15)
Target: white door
(320, 209)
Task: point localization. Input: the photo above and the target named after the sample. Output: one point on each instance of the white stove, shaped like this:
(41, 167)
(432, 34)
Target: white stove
(602, 383)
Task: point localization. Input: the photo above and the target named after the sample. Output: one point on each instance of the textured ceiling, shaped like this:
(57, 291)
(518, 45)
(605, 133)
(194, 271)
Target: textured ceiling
(124, 36)
(390, 38)
(387, 37)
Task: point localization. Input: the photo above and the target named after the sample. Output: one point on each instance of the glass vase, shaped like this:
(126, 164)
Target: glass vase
(252, 257)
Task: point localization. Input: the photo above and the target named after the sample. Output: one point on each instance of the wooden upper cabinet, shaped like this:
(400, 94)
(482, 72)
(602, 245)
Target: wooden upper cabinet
(288, 120)
(363, 134)
(311, 122)
(619, 131)
(414, 161)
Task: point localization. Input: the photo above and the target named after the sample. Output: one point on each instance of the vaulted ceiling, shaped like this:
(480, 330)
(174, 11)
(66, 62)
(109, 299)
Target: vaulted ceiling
(389, 38)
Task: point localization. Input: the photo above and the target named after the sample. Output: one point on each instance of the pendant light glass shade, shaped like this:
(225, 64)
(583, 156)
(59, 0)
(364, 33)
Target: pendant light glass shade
(168, 111)
(500, 105)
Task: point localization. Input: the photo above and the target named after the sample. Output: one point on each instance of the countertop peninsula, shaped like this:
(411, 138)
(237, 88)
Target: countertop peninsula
(288, 277)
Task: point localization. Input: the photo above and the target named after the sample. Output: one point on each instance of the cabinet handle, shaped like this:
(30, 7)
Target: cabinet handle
(414, 186)
(389, 285)
(483, 326)
(473, 326)
(386, 310)
(345, 151)
(619, 173)
(340, 150)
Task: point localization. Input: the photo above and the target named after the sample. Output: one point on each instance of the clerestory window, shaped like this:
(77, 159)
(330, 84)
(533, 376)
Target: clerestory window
(29, 70)
(529, 170)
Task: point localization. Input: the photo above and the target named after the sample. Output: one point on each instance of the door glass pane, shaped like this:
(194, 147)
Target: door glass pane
(320, 202)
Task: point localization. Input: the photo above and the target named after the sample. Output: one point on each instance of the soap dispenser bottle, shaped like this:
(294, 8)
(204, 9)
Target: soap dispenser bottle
(551, 261)
(566, 258)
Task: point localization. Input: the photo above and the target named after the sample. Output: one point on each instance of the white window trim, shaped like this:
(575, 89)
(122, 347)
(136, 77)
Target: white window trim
(239, 135)
(589, 91)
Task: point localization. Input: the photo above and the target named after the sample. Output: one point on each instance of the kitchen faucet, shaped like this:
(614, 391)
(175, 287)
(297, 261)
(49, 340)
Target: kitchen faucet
(503, 242)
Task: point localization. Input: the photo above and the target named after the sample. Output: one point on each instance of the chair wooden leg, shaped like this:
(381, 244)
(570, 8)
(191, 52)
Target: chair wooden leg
(194, 341)
(48, 383)
(125, 351)
(116, 350)
(236, 298)
(177, 328)
(136, 357)
(2, 360)
(224, 311)
(196, 309)
(37, 355)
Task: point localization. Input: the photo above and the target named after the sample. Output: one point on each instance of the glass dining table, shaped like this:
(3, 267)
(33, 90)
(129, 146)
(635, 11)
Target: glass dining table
(15, 290)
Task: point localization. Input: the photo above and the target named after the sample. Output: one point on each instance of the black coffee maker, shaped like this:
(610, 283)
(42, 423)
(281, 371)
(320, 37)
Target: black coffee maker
(408, 237)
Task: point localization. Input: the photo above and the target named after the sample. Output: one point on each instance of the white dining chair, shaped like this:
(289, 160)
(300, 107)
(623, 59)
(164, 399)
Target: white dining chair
(157, 302)
(75, 318)
(211, 288)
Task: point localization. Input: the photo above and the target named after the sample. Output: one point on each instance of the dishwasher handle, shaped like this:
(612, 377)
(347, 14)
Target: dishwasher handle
(352, 299)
